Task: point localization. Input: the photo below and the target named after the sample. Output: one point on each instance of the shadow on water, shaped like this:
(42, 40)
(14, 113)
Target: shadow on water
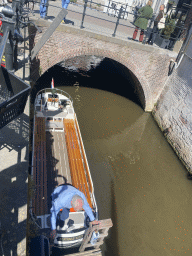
(110, 246)
(108, 75)
(111, 76)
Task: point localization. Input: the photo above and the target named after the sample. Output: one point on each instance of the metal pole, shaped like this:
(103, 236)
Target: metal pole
(118, 18)
(17, 7)
(8, 26)
(15, 54)
(24, 52)
(3, 43)
(108, 8)
(85, 6)
(9, 54)
(125, 12)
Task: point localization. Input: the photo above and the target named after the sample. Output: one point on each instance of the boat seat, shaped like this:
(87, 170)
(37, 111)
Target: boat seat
(53, 100)
(39, 202)
(77, 162)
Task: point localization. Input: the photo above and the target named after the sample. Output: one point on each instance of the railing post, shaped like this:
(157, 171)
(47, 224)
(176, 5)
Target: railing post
(91, 3)
(24, 51)
(9, 52)
(17, 7)
(125, 12)
(108, 8)
(118, 18)
(85, 6)
(148, 32)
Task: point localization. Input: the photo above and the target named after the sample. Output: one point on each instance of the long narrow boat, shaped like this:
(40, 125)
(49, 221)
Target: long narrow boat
(59, 158)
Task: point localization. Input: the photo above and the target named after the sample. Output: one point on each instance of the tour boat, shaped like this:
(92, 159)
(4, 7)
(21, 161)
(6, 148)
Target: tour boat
(58, 157)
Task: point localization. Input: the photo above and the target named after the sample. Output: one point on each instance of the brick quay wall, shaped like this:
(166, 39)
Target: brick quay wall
(173, 111)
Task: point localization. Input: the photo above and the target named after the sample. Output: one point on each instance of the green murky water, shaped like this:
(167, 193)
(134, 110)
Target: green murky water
(139, 182)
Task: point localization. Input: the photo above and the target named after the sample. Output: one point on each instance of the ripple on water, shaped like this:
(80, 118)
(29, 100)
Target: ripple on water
(139, 182)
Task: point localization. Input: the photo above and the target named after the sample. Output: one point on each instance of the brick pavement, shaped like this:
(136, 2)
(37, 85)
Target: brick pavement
(14, 140)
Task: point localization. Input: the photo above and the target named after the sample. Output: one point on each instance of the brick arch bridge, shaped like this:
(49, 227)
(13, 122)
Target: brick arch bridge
(147, 65)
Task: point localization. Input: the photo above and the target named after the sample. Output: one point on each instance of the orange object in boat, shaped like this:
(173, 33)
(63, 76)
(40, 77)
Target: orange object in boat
(71, 210)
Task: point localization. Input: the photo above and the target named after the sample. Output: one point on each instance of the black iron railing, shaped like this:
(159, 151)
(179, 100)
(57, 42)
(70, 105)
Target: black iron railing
(121, 13)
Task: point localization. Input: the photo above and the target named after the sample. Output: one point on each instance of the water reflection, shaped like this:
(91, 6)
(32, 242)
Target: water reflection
(77, 97)
(126, 142)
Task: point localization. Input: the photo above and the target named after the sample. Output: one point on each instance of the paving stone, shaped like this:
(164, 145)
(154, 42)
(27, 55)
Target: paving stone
(14, 139)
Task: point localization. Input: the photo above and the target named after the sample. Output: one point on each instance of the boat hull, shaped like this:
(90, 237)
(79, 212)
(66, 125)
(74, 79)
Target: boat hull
(59, 158)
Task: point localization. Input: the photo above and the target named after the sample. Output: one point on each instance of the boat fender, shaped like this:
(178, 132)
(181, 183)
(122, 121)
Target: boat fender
(94, 237)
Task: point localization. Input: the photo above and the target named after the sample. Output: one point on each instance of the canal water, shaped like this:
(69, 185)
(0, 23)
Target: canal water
(139, 182)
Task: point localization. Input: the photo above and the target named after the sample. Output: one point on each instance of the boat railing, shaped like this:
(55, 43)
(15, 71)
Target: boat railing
(54, 90)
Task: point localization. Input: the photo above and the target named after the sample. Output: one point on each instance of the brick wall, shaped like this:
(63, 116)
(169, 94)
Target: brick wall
(173, 112)
(149, 65)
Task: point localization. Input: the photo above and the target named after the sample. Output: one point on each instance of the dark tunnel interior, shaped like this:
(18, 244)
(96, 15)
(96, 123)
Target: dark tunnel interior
(108, 75)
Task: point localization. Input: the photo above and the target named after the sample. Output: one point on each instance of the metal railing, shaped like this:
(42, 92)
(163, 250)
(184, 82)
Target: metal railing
(121, 13)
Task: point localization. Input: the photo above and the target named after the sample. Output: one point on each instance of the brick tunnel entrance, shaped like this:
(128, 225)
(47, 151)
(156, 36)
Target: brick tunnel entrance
(95, 72)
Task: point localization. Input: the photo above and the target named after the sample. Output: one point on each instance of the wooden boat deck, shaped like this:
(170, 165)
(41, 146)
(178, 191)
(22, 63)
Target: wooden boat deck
(59, 158)
(39, 168)
(57, 162)
(79, 171)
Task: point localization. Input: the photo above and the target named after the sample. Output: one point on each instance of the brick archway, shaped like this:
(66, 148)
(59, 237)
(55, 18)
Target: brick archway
(147, 101)
(149, 69)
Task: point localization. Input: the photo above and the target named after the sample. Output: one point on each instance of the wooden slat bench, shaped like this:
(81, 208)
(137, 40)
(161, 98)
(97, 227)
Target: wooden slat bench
(76, 157)
(39, 168)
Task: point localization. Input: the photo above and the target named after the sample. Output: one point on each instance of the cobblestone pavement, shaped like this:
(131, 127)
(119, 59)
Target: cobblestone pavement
(14, 140)
(14, 180)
